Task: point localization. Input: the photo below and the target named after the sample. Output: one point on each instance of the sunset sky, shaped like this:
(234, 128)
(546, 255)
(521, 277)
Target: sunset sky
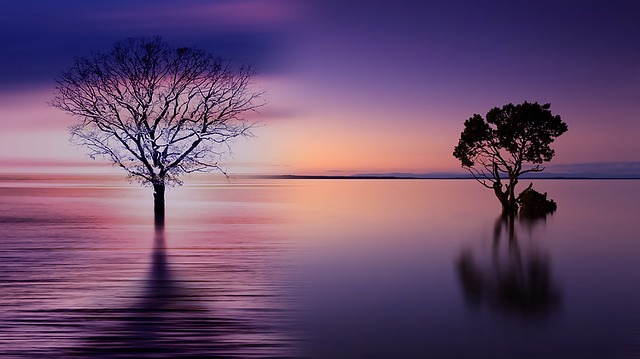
(352, 87)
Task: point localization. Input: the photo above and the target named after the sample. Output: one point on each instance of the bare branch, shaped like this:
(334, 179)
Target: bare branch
(156, 111)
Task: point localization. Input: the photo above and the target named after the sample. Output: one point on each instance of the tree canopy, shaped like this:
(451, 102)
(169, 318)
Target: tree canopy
(157, 111)
(508, 142)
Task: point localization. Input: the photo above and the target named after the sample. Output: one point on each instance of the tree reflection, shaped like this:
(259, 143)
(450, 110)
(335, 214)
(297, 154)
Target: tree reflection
(514, 279)
(166, 320)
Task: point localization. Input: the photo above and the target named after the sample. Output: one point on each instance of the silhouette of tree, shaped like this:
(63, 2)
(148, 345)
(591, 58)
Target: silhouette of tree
(534, 205)
(500, 146)
(157, 111)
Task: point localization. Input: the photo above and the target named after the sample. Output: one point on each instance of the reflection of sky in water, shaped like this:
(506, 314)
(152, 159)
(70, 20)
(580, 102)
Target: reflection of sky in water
(359, 268)
(384, 276)
(83, 275)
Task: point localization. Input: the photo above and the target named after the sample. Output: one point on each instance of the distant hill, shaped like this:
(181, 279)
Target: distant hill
(600, 170)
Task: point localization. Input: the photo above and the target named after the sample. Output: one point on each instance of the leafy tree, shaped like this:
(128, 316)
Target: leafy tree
(509, 142)
(535, 205)
(157, 111)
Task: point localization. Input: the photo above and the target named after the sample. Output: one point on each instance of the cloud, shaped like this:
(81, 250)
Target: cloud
(39, 40)
(243, 15)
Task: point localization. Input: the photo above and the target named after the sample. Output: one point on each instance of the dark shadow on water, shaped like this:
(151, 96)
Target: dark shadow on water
(512, 280)
(166, 320)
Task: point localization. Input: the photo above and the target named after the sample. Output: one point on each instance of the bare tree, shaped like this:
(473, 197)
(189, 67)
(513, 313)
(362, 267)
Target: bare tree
(157, 111)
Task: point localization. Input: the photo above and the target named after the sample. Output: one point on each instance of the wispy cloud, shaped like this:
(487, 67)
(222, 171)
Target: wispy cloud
(227, 15)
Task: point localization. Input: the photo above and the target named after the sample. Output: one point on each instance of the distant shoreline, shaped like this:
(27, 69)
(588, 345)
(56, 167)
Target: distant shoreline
(85, 177)
(364, 177)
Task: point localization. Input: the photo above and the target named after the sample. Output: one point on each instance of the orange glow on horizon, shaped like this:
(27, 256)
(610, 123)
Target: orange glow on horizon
(329, 146)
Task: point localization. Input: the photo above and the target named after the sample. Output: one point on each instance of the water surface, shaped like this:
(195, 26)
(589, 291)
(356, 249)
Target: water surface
(317, 268)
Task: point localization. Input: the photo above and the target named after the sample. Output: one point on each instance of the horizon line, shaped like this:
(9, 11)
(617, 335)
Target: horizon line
(428, 177)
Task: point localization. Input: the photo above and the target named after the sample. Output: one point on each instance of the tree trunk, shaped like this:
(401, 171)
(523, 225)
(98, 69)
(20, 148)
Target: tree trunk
(513, 203)
(503, 197)
(158, 205)
(508, 198)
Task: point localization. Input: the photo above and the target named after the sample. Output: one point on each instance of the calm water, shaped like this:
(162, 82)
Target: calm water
(317, 268)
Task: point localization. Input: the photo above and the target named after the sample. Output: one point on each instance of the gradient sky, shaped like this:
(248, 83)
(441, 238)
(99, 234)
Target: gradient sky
(353, 87)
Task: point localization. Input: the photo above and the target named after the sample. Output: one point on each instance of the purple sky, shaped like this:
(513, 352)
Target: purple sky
(358, 86)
